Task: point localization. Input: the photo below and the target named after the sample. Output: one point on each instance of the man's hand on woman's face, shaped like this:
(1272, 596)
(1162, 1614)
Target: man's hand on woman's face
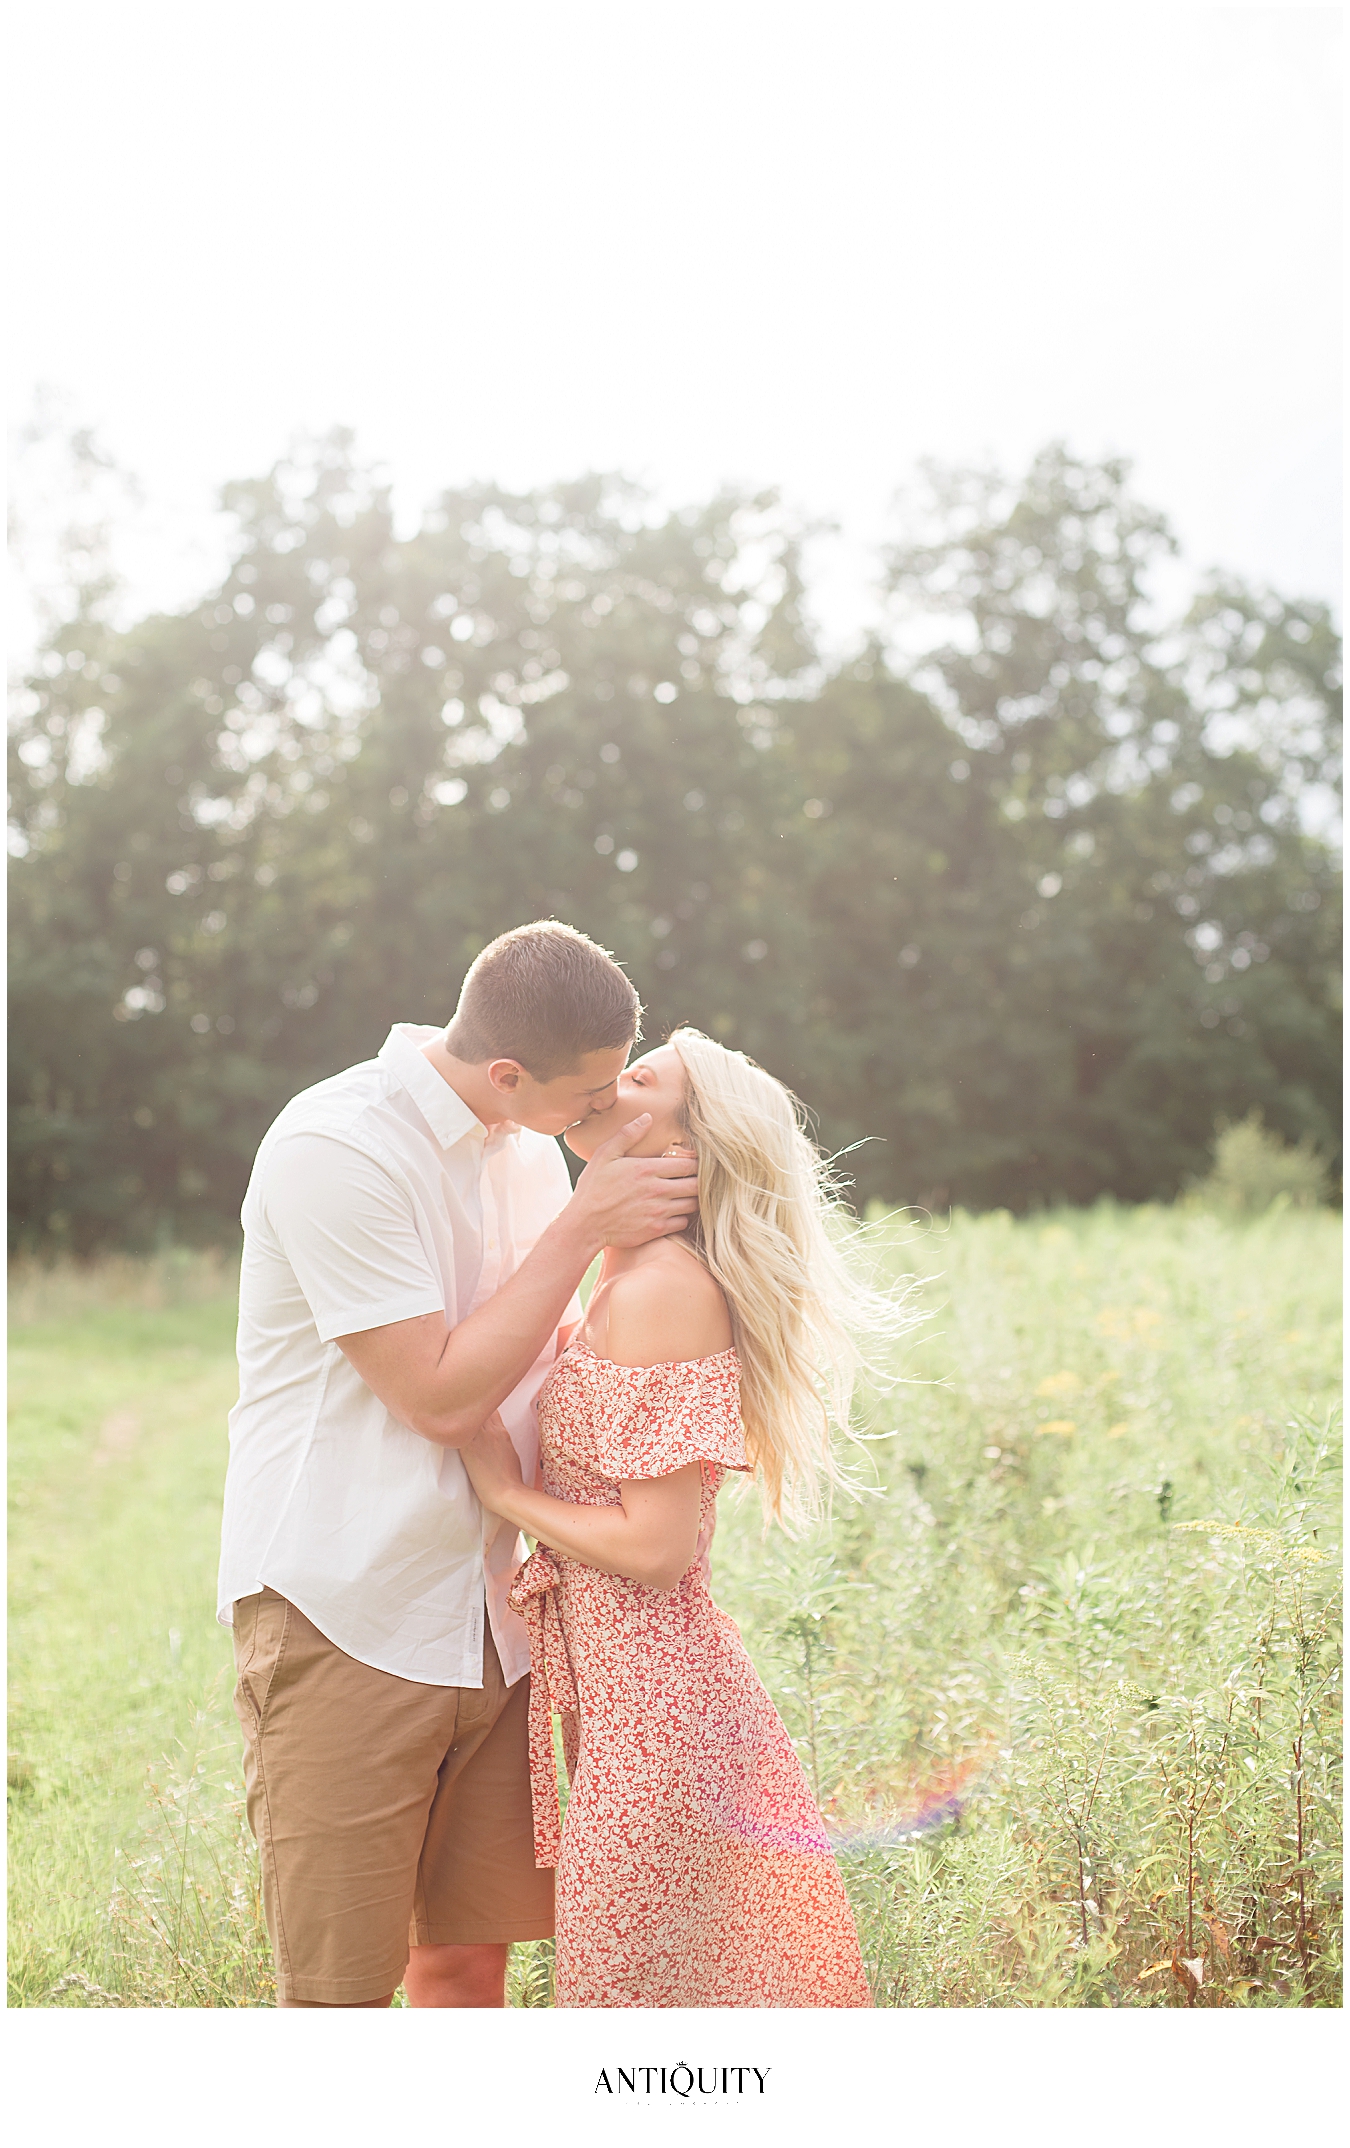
(627, 1200)
(493, 1464)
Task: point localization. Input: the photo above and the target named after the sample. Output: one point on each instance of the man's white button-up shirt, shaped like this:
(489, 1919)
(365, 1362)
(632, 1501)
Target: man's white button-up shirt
(377, 1196)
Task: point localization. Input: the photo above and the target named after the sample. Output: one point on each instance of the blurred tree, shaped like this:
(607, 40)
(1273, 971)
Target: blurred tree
(1033, 908)
(251, 836)
(1091, 864)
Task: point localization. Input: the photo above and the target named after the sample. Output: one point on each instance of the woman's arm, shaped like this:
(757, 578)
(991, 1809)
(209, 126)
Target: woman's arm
(651, 1536)
(654, 1315)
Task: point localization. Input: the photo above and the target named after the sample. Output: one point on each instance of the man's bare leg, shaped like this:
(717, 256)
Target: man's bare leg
(456, 1976)
(440, 1976)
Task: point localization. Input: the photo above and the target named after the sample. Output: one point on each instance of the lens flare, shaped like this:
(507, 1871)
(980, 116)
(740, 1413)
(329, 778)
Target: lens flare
(745, 1798)
(941, 1796)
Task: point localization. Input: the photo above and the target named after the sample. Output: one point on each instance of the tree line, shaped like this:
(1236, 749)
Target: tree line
(1022, 900)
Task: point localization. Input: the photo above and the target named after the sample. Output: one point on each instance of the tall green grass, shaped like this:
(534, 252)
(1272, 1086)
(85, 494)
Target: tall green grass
(1066, 1680)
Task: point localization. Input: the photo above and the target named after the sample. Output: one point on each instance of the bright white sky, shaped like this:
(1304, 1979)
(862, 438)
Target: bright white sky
(724, 239)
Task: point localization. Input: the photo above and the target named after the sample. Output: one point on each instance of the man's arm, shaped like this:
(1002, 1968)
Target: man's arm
(443, 1382)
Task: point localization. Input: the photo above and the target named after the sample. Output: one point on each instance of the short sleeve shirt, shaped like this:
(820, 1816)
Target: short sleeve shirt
(375, 1197)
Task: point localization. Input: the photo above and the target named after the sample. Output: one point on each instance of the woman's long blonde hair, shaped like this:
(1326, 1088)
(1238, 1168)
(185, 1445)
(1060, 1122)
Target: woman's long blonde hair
(769, 1231)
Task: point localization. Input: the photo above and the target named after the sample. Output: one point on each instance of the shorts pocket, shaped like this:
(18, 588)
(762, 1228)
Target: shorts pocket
(258, 1652)
(245, 1623)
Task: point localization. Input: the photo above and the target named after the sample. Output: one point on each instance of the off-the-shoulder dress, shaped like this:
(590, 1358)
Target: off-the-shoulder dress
(693, 1867)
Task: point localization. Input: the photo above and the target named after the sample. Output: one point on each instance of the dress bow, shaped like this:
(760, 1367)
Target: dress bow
(535, 1594)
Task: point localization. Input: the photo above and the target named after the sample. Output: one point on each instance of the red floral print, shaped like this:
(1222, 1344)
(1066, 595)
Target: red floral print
(693, 1866)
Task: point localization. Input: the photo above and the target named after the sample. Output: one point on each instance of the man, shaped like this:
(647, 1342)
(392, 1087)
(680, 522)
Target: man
(412, 1251)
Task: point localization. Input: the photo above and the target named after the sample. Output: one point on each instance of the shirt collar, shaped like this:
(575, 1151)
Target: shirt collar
(443, 1108)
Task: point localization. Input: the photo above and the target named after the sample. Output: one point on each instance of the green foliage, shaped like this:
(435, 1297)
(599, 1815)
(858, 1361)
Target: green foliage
(1253, 1168)
(1068, 1682)
(129, 1875)
(1023, 917)
(1092, 1617)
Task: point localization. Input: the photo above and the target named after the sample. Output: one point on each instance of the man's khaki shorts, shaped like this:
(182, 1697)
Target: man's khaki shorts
(387, 1814)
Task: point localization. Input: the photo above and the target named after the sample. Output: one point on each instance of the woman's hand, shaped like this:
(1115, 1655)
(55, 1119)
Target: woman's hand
(494, 1466)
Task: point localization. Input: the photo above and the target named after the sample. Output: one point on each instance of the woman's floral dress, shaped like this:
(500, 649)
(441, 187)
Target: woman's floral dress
(693, 1866)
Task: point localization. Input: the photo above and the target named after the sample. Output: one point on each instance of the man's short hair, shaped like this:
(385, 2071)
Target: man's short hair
(544, 995)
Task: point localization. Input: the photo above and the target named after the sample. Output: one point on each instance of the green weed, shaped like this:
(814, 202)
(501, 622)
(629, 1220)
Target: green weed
(1253, 1169)
(1066, 1680)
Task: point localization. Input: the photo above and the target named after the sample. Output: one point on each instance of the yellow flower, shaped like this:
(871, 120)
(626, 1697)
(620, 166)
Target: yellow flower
(1266, 1539)
(1113, 1320)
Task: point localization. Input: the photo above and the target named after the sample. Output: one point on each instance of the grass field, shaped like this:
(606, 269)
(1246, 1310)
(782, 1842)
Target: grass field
(1067, 1682)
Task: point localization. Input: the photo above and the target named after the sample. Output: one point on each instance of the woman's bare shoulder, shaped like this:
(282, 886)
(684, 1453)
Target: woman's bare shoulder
(666, 1309)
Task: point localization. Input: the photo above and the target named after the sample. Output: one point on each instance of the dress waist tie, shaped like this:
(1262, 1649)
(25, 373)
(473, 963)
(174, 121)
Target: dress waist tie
(535, 1594)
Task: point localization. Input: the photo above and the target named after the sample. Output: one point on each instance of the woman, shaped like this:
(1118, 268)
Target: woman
(693, 1869)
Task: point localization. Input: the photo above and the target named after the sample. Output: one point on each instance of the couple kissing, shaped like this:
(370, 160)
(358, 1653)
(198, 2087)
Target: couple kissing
(420, 1390)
